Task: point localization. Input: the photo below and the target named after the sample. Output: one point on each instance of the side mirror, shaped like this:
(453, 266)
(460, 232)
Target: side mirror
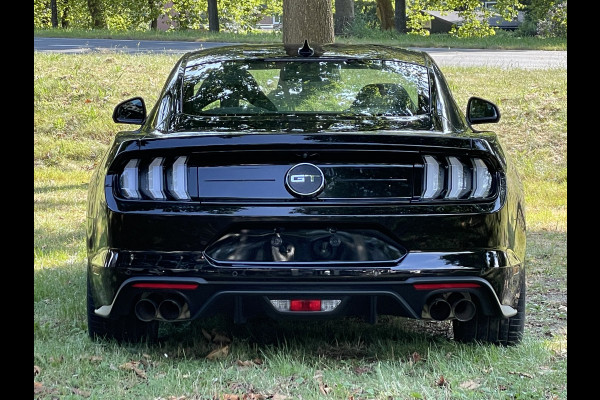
(480, 111)
(132, 111)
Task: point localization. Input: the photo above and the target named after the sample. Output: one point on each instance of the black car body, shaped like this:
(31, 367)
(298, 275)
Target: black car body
(339, 181)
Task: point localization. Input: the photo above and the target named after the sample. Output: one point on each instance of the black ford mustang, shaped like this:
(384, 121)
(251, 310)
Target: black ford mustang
(333, 181)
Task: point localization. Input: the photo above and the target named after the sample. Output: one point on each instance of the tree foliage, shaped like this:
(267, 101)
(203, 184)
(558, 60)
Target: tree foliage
(554, 24)
(234, 15)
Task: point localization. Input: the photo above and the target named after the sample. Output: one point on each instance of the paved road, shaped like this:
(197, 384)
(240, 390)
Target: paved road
(528, 59)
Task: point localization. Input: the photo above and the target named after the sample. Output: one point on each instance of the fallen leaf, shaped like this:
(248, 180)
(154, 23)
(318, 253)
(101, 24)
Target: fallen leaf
(526, 375)
(38, 387)
(231, 397)
(246, 363)
(318, 376)
(133, 366)
(324, 389)
(442, 382)
(254, 396)
(95, 358)
(218, 353)
(415, 357)
(278, 397)
(470, 384)
(36, 370)
(87, 101)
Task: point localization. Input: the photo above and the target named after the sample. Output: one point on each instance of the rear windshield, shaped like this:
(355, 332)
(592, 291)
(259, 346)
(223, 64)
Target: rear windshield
(314, 87)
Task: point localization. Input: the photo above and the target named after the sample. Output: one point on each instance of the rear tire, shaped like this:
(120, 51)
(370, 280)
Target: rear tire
(126, 328)
(496, 330)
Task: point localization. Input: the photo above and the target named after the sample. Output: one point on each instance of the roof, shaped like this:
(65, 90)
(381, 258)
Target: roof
(453, 17)
(334, 50)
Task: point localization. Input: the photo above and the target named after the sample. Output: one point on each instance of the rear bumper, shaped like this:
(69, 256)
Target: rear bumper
(198, 297)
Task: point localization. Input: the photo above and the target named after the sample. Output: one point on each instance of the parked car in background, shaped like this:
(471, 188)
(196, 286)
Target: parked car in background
(341, 180)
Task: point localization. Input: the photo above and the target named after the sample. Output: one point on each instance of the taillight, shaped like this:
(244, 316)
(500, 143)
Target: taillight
(456, 178)
(177, 179)
(155, 180)
(128, 181)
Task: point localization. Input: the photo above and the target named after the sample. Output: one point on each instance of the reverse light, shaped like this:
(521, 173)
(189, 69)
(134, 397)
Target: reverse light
(177, 179)
(306, 305)
(155, 178)
(434, 178)
(482, 179)
(459, 177)
(129, 180)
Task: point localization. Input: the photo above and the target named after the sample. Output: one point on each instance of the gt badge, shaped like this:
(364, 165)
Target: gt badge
(304, 180)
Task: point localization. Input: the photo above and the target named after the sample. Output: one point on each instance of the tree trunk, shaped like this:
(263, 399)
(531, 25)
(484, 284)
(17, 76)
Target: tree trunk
(96, 9)
(344, 16)
(54, 14)
(64, 18)
(153, 15)
(213, 16)
(310, 20)
(400, 15)
(385, 13)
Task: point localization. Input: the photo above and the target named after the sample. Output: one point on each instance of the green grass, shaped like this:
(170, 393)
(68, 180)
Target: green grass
(74, 96)
(502, 40)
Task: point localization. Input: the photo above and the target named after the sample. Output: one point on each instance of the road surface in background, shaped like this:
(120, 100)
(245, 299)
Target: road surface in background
(526, 59)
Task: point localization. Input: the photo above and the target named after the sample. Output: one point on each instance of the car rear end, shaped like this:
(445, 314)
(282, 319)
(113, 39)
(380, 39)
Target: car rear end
(389, 233)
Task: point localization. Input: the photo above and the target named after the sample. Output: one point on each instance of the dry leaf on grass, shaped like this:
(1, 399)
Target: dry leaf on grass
(324, 389)
(218, 353)
(524, 374)
(38, 387)
(469, 385)
(134, 366)
(254, 396)
(36, 370)
(442, 382)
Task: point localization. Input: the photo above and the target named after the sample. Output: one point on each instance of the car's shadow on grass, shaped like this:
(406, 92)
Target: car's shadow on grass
(341, 339)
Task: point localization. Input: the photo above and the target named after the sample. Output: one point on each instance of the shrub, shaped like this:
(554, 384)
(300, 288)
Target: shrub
(555, 22)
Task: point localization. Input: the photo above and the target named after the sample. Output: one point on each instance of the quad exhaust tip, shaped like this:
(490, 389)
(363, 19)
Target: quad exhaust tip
(462, 308)
(169, 309)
